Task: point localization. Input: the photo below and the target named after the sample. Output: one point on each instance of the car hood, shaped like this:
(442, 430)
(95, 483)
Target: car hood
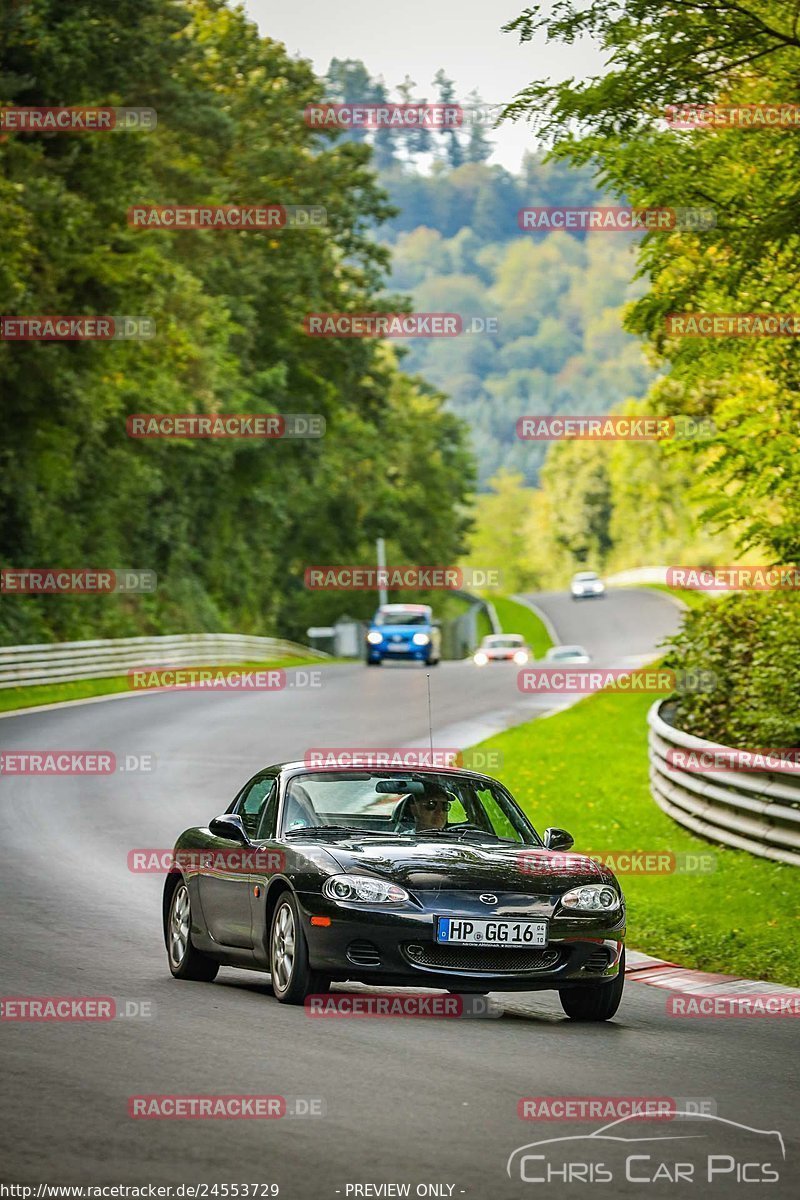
(438, 863)
(406, 630)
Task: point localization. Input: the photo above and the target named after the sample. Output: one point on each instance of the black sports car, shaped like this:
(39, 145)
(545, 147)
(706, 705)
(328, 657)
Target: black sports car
(431, 878)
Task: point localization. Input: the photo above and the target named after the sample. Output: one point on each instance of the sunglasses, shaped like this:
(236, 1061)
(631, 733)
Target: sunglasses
(432, 805)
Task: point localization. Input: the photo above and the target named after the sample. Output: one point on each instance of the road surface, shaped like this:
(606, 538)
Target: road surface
(422, 1102)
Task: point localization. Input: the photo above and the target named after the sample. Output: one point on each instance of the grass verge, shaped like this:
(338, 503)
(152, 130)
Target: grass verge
(690, 597)
(54, 693)
(585, 770)
(518, 618)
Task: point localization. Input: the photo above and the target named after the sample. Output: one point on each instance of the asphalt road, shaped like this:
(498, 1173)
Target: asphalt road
(423, 1102)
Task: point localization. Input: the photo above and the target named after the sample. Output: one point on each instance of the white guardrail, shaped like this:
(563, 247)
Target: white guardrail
(757, 811)
(68, 662)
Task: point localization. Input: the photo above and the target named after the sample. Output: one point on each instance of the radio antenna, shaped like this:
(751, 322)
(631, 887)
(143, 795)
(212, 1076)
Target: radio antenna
(430, 722)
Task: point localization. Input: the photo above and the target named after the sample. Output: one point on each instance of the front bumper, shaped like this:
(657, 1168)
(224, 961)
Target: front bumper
(397, 948)
(407, 653)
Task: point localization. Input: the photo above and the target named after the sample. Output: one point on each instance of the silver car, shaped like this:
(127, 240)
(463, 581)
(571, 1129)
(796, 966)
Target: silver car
(586, 584)
(567, 654)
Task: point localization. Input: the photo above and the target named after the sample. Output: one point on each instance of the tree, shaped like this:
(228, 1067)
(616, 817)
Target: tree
(732, 52)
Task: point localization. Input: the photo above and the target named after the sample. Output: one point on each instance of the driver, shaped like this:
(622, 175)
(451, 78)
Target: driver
(430, 810)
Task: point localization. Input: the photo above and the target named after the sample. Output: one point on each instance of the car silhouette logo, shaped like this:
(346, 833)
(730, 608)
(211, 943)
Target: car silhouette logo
(488, 898)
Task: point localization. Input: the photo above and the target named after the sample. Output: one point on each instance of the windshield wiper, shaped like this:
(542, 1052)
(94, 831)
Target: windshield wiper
(313, 830)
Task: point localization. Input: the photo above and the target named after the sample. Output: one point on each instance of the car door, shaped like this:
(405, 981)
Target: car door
(226, 884)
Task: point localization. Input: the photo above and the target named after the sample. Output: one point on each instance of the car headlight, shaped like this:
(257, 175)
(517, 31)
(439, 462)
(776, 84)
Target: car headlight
(420, 639)
(374, 638)
(592, 897)
(521, 657)
(363, 889)
(480, 659)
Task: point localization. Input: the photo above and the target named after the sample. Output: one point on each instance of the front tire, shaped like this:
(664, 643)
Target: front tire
(597, 1002)
(185, 962)
(292, 977)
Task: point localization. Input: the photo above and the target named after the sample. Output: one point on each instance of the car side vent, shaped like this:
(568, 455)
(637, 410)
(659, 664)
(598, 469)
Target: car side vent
(598, 960)
(364, 954)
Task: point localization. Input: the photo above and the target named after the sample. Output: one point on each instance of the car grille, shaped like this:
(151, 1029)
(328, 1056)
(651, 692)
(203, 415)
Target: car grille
(364, 954)
(468, 958)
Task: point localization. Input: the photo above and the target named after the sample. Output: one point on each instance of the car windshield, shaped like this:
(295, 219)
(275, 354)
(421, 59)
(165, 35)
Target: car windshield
(585, 576)
(404, 804)
(568, 652)
(402, 618)
(502, 643)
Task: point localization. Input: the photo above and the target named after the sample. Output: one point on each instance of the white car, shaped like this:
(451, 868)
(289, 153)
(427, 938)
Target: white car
(586, 584)
(497, 647)
(567, 654)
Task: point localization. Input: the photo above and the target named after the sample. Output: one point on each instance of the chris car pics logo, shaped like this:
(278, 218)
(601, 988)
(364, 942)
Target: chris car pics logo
(693, 1149)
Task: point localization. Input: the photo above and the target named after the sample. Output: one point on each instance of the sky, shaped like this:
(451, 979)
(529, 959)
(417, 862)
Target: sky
(417, 37)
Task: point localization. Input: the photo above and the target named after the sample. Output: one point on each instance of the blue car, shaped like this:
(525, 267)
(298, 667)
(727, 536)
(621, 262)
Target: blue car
(404, 632)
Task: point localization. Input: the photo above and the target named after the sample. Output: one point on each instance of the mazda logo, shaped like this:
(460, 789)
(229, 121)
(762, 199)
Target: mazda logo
(488, 898)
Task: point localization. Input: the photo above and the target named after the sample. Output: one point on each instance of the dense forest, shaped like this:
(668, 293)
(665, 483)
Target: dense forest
(557, 298)
(227, 526)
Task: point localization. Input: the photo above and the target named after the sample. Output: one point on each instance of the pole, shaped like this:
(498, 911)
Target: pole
(383, 595)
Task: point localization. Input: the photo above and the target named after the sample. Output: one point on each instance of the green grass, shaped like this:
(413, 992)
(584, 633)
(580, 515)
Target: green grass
(585, 770)
(690, 597)
(54, 693)
(518, 618)
(483, 624)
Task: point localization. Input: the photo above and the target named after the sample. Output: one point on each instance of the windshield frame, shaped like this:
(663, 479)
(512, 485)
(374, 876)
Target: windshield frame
(478, 780)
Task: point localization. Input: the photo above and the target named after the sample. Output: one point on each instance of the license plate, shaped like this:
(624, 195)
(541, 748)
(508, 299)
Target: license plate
(477, 931)
(397, 647)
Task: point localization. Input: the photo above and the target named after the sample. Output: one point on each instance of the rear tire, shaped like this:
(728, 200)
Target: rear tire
(596, 1002)
(292, 977)
(185, 962)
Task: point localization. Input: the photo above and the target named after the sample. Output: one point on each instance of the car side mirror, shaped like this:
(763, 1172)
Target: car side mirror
(558, 839)
(230, 826)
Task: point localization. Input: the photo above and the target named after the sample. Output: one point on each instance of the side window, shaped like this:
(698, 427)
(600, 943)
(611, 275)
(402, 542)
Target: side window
(252, 804)
(457, 814)
(269, 814)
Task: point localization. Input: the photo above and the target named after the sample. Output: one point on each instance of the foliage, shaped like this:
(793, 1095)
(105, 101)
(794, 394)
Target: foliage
(751, 642)
(730, 52)
(227, 526)
(586, 770)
